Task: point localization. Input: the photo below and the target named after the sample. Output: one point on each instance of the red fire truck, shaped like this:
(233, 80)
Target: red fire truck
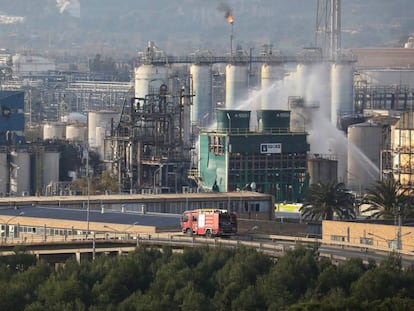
(209, 222)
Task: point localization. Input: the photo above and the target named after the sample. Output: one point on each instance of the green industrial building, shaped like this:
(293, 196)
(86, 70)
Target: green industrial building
(271, 160)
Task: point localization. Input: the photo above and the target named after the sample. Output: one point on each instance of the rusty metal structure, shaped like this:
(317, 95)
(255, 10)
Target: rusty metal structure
(149, 149)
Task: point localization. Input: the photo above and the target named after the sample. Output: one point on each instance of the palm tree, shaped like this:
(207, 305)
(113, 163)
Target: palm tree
(387, 200)
(323, 201)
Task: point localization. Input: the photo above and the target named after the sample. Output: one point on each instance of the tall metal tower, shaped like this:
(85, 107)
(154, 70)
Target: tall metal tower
(328, 27)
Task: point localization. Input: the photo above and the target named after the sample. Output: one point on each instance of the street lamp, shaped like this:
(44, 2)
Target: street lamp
(88, 192)
(110, 228)
(398, 233)
(388, 241)
(134, 224)
(392, 243)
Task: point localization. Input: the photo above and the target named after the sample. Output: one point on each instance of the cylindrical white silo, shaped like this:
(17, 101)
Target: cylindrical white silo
(364, 152)
(76, 132)
(100, 119)
(269, 75)
(4, 174)
(54, 130)
(321, 86)
(236, 85)
(51, 167)
(342, 84)
(201, 110)
(303, 72)
(149, 78)
(20, 173)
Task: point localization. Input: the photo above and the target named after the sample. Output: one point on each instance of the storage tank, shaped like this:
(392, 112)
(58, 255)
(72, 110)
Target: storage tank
(313, 95)
(201, 110)
(4, 174)
(54, 130)
(20, 173)
(364, 151)
(274, 121)
(322, 169)
(51, 162)
(236, 85)
(76, 132)
(303, 72)
(149, 78)
(74, 117)
(342, 84)
(33, 64)
(233, 121)
(102, 120)
(270, 74)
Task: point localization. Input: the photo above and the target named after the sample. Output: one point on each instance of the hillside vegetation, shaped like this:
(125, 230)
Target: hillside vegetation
(123, 27)
(205, 279)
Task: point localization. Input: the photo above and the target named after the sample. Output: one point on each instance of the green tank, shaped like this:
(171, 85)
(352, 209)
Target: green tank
(273, 121)
(233, 121)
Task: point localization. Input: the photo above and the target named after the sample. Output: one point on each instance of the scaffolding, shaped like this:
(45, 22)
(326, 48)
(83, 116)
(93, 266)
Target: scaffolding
(402, 151)
(392, 97)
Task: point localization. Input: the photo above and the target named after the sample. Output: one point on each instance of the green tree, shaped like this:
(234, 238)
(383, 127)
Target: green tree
(323, 201)
(387, 200)
(377, 284)
(97, 184)
(337, 278)
(21, 289)
(238, 274)
(288, 281)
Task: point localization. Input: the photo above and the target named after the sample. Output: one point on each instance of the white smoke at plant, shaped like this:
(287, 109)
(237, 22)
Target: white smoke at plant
(72, 7)
(312, 82)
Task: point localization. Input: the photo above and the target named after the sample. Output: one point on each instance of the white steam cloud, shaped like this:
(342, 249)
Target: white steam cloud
(72, 7)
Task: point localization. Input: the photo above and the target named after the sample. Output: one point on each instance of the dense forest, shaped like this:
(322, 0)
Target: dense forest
(205, 279)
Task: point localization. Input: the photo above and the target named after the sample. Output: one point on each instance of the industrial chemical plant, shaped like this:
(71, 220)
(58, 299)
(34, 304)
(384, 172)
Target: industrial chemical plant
(269, 123)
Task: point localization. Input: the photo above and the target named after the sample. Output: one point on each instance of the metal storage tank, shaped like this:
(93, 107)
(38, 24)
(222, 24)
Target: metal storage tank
(51, 162)
(100, 119)
(275, 121)
(76, 132)
(269, 75)
(322, 169)
(342, 84)
(20, 173)
(149, 78)
(236, 85)
(313, 95)
(54, 130)
(319, 90)
(201, 110)
(4, 174)
(303, 72)
(365, 141)
(234, 121)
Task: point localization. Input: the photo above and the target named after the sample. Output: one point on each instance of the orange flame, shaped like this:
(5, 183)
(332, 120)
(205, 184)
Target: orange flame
(229, 18)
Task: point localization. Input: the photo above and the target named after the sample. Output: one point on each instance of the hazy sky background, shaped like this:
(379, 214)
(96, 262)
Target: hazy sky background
(180, 26)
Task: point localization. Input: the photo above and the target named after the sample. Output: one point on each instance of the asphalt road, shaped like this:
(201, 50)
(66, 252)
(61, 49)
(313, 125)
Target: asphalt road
(149, 219)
